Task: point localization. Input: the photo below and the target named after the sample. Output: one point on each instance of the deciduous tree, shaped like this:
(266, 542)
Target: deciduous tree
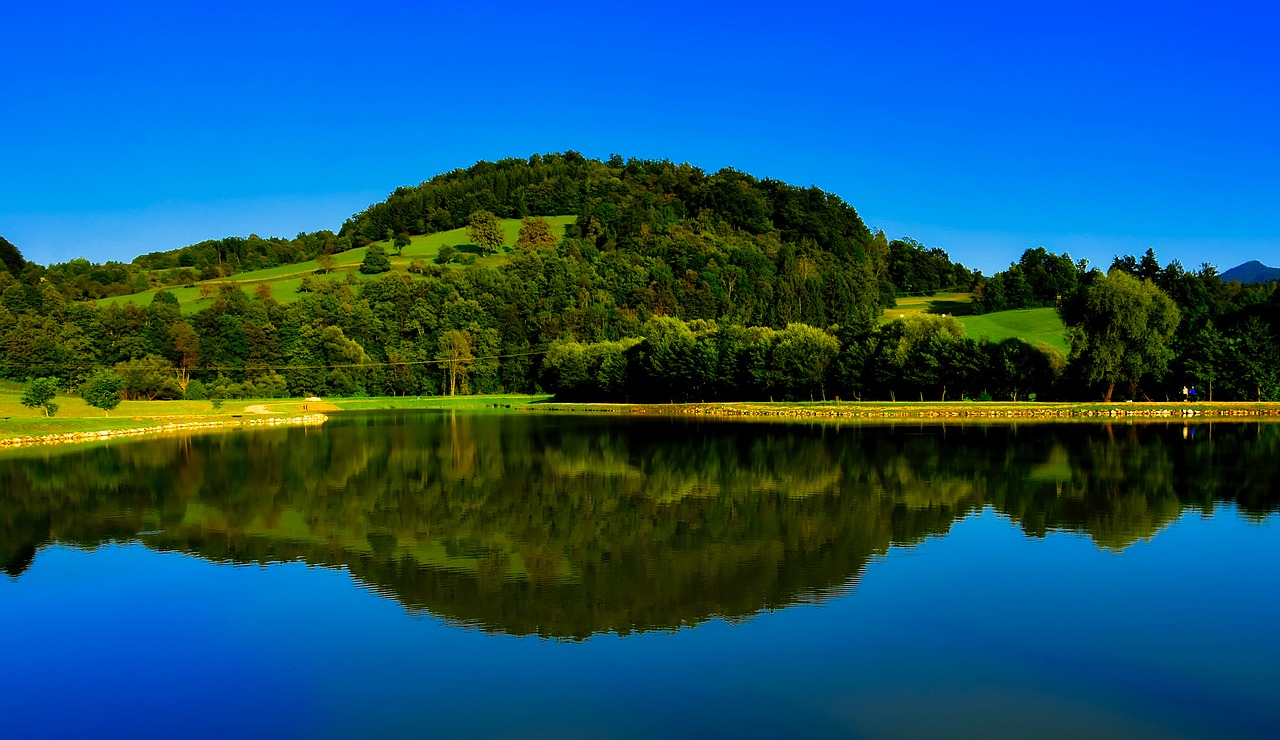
(455, 354)
(39, 394)
(535, 233)
(375, 260)
(485, 232)
(1119, 328)
(102, 390)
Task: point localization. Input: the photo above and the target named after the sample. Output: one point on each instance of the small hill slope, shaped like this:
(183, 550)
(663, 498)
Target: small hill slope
(285, 280)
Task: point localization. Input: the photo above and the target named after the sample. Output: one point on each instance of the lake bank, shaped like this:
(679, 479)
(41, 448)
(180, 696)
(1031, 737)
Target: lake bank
(165, 417)
(77, 421)
(159, 427)
(976, 410)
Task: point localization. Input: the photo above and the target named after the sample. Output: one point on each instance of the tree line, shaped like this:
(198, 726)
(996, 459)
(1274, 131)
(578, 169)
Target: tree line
(670, 284)
(1149, 329)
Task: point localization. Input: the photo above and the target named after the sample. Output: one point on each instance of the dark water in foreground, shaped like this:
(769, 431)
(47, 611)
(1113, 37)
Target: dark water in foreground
(420, 575)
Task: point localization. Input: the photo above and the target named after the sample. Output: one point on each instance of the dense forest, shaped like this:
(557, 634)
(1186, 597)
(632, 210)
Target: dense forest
(669, 284)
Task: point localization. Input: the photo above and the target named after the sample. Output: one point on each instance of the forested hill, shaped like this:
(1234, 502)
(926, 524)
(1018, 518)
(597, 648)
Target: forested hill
(667, 284)
(619, 204)
(725, 267)
(637, 207)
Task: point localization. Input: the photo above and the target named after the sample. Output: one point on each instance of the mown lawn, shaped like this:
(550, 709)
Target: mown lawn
(1035, 325)
(74, 415)
(950, 304)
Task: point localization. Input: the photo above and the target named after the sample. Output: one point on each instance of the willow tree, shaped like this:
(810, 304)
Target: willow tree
(1119, 328)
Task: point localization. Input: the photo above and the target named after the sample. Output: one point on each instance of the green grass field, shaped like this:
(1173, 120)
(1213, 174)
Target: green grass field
(1034, 325)
(951, 304)
(285, 280)
(74, 415)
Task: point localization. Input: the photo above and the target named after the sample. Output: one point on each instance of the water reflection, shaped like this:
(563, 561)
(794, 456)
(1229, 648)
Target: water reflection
(570, 526)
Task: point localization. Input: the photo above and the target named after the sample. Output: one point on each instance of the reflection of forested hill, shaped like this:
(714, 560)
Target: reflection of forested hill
(565, 526)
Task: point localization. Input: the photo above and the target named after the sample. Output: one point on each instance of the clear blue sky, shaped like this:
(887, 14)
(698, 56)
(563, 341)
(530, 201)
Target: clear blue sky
(981, 128)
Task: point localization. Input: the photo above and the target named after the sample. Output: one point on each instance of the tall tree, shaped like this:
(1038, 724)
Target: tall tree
(186, 344)
(802, 354)
(1119, 328)
(1254, 359)
(455, 354)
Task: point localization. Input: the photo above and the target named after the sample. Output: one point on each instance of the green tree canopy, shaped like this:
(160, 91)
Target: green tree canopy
(455, 353)
(39, 394)
(535, 233)
(102, 390)
(1119, 327)
(375, 260)
(10, 258)
(485, 231)
(151, 377)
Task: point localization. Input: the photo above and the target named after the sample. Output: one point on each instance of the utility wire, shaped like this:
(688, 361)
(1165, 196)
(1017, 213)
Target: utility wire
(257, 366)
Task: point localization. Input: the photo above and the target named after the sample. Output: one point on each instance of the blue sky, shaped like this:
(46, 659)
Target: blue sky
(982, 128)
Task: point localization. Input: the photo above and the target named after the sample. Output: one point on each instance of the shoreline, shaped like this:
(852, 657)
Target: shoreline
(106, 434)
(812, 411)
(965, 410)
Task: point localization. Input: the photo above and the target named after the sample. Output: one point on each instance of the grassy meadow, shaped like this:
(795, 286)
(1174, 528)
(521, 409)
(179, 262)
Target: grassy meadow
(74, 415)
(285, 280)
(949, 304)
(1034, 325)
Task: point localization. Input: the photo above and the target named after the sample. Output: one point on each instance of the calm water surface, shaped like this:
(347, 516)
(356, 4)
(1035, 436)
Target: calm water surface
(437, 575)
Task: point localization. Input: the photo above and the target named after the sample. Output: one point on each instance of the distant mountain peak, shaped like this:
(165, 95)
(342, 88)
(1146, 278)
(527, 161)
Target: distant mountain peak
(1252, 271)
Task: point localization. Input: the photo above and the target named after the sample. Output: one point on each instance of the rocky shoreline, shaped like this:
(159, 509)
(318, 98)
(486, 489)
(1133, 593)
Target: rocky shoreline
(73, 437)
(848, 410)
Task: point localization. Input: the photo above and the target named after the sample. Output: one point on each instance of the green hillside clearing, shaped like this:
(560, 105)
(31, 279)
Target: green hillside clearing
(949, 304)
(285, 280)
(1035, 325)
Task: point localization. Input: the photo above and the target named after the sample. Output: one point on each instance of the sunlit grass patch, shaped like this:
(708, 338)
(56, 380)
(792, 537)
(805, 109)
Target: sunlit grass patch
(284, 280)
(1034, 325)
(950, 304)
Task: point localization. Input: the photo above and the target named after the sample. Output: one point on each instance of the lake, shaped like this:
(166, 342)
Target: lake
(544, 575)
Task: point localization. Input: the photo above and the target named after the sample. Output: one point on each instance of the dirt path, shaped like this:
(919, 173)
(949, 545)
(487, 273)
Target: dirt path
(258, 409)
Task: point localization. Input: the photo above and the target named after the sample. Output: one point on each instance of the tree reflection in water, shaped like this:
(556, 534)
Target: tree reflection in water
(567, 526)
